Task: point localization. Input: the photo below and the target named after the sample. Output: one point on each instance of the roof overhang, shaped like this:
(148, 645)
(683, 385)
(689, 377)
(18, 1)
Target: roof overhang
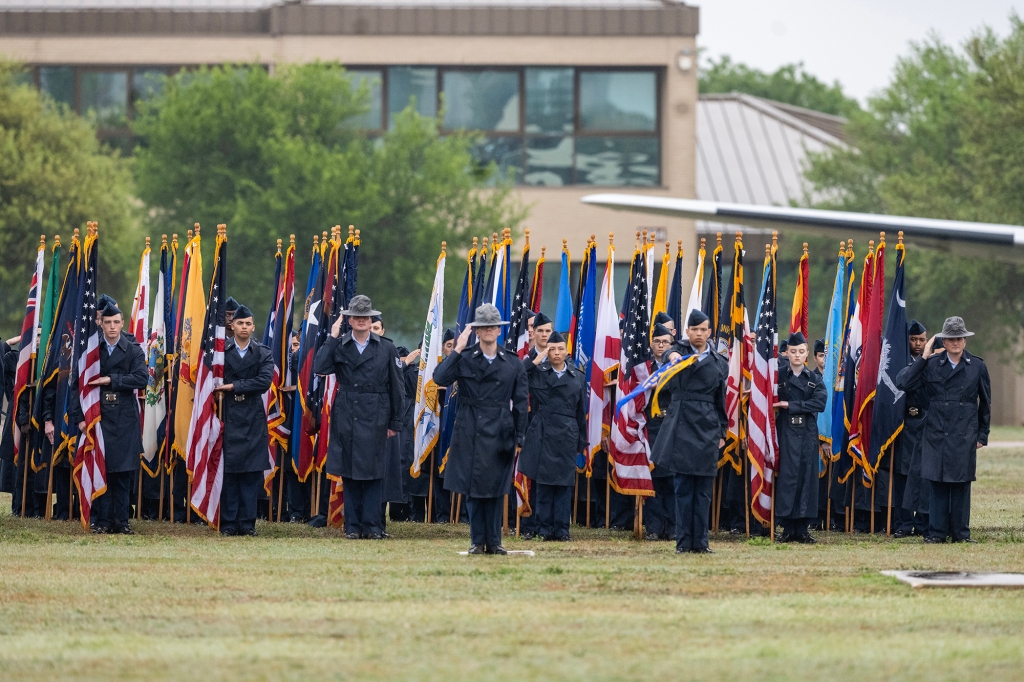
(1003, 242)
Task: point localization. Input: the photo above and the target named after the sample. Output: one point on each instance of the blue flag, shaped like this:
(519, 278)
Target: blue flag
(887, 421)
(563, 313)
(586, 325)
(833, 353)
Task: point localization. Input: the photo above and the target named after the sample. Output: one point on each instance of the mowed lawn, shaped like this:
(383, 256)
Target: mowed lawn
(297, 603)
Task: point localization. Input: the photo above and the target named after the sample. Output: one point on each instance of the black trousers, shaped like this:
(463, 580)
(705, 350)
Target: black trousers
(660, 510)
(484, 520)
(363, 506)
(948, 515)
(110, 510)
(553, 510)
(902, 519)
(238, 501)
(296, 493)
(793, 527)
(693, 508)
(621, 508)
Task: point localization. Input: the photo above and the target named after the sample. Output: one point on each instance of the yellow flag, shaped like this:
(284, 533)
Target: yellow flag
(189, 341)
(661, 293)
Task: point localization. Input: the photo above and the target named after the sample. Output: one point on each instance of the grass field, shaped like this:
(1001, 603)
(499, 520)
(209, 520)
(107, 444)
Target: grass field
(298, 603)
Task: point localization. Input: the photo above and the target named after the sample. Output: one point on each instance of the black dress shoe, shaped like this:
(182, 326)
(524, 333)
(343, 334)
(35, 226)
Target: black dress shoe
(527, 535)
(967, 540)
(476, 549)
(901, 534)
(124, 530)
(736, 531)
(318, 521)
(652, 537)
(228, 532)
(251, 532)
(562, 538)
(384, 536)
(785, 537)
(701, 550)
(374, 536)
(932, 540)
(100, 530)
(351, 536)
(806, 539)
(497, 550)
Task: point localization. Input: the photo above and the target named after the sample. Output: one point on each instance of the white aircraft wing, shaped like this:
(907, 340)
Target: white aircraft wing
(1004, 242)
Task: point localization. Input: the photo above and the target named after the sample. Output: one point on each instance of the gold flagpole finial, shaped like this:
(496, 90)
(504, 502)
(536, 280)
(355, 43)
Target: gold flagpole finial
(74, 237)
(483, 244)
(593, 238)
(163, 240)
(56, 240)
(739, 236)
(174, 240)
(565, 244)
(881, 238)
(842, 248)
(147, 242)
(611, 239)
(324, 240)
(195, 229)
(775, 239)
(899, 237)
(767, 250)
(805, 248)
(316, 240)
(42, 241)
(357, 237)
(291, 240)
(703, 244)
(351, 230)
(526, 235)
(223, 230)
(668, 249)
(871, 245)
(718, 236)
(475, 241)
(279, 246)
(643, 239)
(542, 250)
(190, 235)
(444, 248)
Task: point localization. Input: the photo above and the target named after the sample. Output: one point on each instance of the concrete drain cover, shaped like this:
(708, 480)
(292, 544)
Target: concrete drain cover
(957, 579)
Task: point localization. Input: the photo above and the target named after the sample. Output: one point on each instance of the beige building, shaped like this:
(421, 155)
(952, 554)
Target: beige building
(573, 95)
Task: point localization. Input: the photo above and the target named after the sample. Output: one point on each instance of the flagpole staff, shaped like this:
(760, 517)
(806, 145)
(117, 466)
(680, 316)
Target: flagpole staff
(49, 477)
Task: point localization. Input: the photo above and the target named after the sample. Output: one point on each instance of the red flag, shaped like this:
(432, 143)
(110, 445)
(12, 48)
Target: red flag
(537, 292)
(205, 461)
(798, 319)
(867, 373)
(90, 457)
(27, 349)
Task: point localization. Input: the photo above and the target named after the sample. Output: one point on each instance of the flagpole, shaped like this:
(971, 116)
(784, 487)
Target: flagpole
(575, 497)
(746, 489)
(280, 482)
(430, 488)
(607, 493)
(588, 501)
(888, 520)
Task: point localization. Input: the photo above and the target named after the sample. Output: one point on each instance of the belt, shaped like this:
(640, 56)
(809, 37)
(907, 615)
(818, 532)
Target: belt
(476, 402)
(915, 412)
(351, 388)
(546, 412)
(692, 398)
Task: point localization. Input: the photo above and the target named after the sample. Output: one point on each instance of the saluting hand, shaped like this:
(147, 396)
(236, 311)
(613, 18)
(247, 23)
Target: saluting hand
(460, 345)
(411, 357)
(336, 327)
(929, 348)
(542, 356)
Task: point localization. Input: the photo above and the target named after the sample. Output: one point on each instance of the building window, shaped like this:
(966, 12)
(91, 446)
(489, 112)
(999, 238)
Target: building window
(59, 83)
(481, 100)
(618, 101)
(372, 120)
(549, 126)
(407, 84)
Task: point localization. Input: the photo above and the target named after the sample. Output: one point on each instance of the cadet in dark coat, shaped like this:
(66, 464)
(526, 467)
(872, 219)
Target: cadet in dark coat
(957, 424)
(693, 432)
(489, 425)
(660, 510)
(909, 491)
(556, 434)
(540, 327)
(367, 410)
(123, 372)
(248, 373)
(801, 397)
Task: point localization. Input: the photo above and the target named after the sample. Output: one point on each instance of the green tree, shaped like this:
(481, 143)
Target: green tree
(276, 154)
(789, 84)
(54, 176)
(945, 139)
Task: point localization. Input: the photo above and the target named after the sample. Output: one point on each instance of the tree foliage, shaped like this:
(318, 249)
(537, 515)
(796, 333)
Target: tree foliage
(789, 84)
(945, 139)
(276, 154)
(54, 176)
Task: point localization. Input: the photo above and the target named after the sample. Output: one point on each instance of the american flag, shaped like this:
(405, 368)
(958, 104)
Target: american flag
(304, 430)
(27, 349)
(90, 459)
(205, 445)
(630, 451)
(518, 339)
(326, 386)
(762, 444)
